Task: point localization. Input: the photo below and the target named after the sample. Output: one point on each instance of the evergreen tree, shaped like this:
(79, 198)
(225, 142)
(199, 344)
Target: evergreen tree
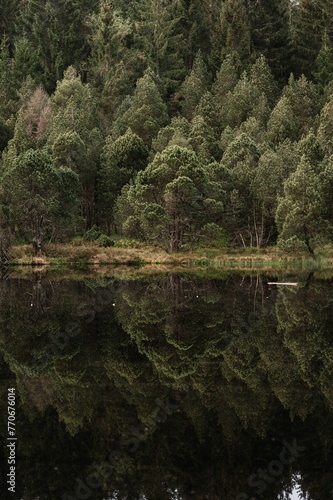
(199, 19)
(175, 134)
(261, 76)
(305, 103)
(9, 13)
(115, 63)
(282, 122)
(225, 82)
(240, 102)
(324, 63)
(159, 33)
(147, 112)
(325, 130)
(311, 20)
(58, 33)
(74, 110)
(270, 34)
(203, 140)
(235, 31)
(7, 87)
(171, 201)
(120, 161)
(38, 195)
(300, 212)
(194, 86)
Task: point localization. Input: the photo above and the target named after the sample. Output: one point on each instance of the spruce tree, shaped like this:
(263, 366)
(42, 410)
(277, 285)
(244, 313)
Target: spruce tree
(120, 161)
(235, 31)
(147, 112)
(194, 86)
(58, 33)
(270, 34)
(300, 212)
(282, 123)
(305, 103)
(160, 36)
(311, 20)
(225, 82)
(262, 77)
(324, 63)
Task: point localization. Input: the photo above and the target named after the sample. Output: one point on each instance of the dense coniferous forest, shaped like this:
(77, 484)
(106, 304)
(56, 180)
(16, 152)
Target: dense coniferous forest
(173, 122)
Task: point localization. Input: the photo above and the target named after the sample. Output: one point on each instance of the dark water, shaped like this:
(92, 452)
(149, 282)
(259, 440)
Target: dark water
(167, 387)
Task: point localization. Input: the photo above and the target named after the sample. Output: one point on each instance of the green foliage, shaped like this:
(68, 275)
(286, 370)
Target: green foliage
(301, 211)
(324, 63)
(58, 35)
(104, 85)
(282, 122)
(37, 196)
(270, 34)
(311, 19)
(235, 31)
(160, 34)
(147, 112)
(120, 161)
(194, 86)
(225, 82)
(171, 200)
(93, 233)
(105, 241)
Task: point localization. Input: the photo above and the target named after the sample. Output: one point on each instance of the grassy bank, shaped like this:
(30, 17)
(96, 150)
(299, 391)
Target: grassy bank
(76, 255)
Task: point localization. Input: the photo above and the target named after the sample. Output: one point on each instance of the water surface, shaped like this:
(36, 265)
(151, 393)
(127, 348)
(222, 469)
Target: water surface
(171, 386)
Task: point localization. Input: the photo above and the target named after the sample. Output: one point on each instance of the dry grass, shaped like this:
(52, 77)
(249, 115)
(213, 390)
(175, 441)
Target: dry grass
(88, 253)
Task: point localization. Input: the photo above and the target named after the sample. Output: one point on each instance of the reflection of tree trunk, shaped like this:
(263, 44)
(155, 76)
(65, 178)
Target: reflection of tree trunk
(38, 295)
(38, 236)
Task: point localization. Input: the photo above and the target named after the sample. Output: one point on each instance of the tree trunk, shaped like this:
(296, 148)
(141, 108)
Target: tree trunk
(38, 236)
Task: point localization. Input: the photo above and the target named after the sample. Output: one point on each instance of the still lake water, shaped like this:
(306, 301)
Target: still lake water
(170, 386)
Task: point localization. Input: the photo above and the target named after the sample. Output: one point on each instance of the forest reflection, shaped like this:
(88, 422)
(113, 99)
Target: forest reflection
(217, 387)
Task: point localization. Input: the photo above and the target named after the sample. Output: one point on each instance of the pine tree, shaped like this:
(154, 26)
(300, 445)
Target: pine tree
(74, 109)
(305, 103)
(175, 134)
(262, 77)
(120, 161)
(147, 112)
(7, 79)
(58, 33)
(171, 201)
(311, 19)
(282, 123)
(203, 140)
(199, 19)
(324, 63)
(9, 15)
(239, 103)
(160, 36)
(194, 86)
(235, 31)
(225, 82)
(270, 34)
(300, 213)
(325, 130)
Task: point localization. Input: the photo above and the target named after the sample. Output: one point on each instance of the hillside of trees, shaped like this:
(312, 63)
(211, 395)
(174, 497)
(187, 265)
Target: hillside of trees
(170, 122)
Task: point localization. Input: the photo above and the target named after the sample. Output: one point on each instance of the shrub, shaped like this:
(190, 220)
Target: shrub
(292, 245)
(105, 241)
(93, 233)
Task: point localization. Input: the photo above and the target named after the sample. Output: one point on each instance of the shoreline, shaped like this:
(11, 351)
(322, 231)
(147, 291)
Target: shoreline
(90, 255)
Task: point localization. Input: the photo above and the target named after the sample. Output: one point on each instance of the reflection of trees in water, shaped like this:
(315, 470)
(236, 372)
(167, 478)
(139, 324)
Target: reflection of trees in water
(250, 366)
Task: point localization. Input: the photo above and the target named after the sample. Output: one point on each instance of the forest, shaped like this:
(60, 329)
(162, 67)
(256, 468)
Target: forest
(175, 123)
